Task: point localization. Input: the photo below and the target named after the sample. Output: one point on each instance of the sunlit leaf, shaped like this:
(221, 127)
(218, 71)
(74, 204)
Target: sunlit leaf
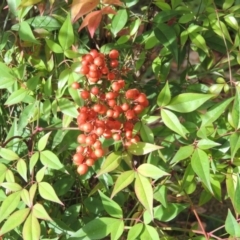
(14, 220)
(31, 228)
(26, 33)
(119, 21)
(141, 148)
(50, 160)
(149, 170)
(8, 154)
(123, 181)
(144, 192)
(42, 142)
(231, 225)
(39, 212)
(164, 96)
(47, 192)
(16, 96)
(135, 231)
(22, 168)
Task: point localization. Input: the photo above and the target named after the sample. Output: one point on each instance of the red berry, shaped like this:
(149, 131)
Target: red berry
(114, 63)
(78, 158)
(99, 152)
(113, 54)
(85, 94)
(75, 85)
(82, 169)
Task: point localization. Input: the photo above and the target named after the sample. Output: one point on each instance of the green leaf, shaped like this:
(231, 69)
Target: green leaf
(11, 186)
(3, 170)
(6, 77)
(39, 212)
(167, 36)
(67, 107)
(42, 142)
(236, 110)
(206, 144)
(232, 226)
(199, 41)
(8, 154)
(9, 205)
(141, 148)
(64, 185)
(40, 174)
(215, 112)
(22, 168)
(33, 160)
(26, 197)
(14, 220)
(236, 198)
(66, 35)
(26, 34)
(149, 233)
(200, 165)
(98, 228)
(164, 96)
(111, 207)
(118, 229)
(111, 162)
(47, 192)
(188, 102)
(32, 192)
(144, 192)
(172, 122)
(123, 181)
(50, 160)
(234, 144)
(170, 212)
(135, 231)
(56, 48)
(149, 170)
(231, 21)
(182, 153)
(119, 21)
(146, 134)
(31, 228)
(16, 96)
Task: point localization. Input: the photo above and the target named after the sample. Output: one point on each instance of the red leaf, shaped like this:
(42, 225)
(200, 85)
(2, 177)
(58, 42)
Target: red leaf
(108, 10)
(114, 2)
(88, 18)
(94, 23)
(82, 7)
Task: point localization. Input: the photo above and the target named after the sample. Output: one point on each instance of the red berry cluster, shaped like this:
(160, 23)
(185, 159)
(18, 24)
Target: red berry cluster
(109, 111)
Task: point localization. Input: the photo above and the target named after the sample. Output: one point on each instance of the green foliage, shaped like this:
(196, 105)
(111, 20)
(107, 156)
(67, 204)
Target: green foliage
(184, 55)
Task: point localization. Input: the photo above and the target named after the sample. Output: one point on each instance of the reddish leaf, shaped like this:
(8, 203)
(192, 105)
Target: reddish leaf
(80, 8)
(113, 2)
(88, 18)
(93, 24)
(108, 10)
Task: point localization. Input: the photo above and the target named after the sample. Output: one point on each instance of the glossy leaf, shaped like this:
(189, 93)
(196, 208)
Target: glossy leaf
(9, 205)
(26, 33)
(149, 170)
(49, 159)
(55, 47)
(110, 206)
(236, 110)
(188, 102)
(123, 181)
(170, 212)
(17, 97)
(215, 112)
(111, 162)
(182, 153)
(119, 21)
(144, 192)
(149, 232)
(33, 160)
(3, 170)
(167, 37)
(234, 144)
(39, 212)
(32, 192)
(231, 225)
(66, 35)
(47, 192)
(26, 197)
(8, 154)
(14, 220)
(135, 231)
(200, 165)
(164, 96)
(67, 107)
(236, 198)
(206, 144)
(6, 78)
(11, 186)
(42, 142)
(22, 168)
(31, 228)
(198, 41)
(40, 174)
(146, 134)
(141, 148)
(118, 229)
(172, 122)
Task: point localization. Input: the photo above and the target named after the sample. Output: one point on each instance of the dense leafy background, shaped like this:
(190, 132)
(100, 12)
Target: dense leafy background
(181, 181)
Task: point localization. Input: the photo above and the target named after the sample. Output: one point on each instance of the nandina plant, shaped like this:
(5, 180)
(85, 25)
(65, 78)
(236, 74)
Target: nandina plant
(119, 120)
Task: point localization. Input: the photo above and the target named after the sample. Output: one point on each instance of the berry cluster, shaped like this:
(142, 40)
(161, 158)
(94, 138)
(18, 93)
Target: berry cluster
(109, 110)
